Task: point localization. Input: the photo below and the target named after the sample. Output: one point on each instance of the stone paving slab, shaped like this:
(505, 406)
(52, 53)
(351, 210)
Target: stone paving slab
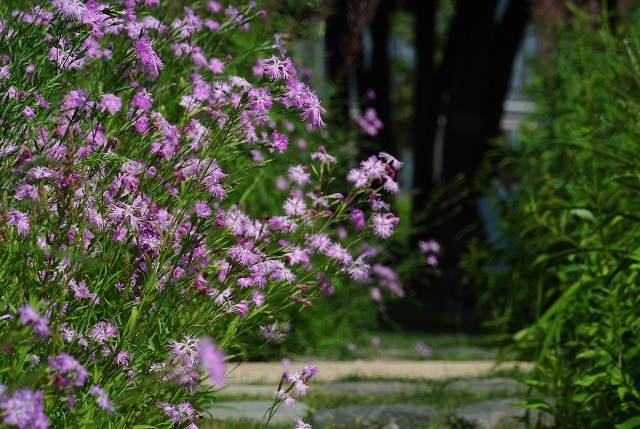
(484, 385)
(397, 416)
(355, 388)
(491, 413)
(255, 410)
(267, 372)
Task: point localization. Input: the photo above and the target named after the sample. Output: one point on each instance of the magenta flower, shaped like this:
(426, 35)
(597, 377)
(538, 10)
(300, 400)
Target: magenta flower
(313, 112)
(150, 60)
(212, 361)
(214, 6)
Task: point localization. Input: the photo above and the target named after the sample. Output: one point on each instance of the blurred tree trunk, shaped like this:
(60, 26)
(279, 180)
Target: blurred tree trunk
(345, 27)
(336, 30)
(375, 76)
(427, 102)
(470, 87)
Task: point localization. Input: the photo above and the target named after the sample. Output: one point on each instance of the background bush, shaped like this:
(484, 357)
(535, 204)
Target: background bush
(565, 284)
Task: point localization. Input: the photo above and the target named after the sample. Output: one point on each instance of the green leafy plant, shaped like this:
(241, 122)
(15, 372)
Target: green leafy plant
(567, 287)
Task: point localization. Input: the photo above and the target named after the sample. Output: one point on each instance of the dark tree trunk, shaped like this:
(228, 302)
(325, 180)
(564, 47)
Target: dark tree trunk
(336, 31)
(376, 76)
(427, 103)
(471, 86)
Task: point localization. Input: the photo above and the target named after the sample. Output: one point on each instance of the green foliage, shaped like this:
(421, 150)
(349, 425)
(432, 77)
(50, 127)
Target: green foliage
(567, 284)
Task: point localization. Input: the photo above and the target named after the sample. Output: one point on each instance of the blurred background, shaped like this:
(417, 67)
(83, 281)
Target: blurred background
(448, 80)
(445, 78)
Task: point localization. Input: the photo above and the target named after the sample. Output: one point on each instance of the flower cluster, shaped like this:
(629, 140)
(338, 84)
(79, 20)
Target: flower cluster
(134, 247)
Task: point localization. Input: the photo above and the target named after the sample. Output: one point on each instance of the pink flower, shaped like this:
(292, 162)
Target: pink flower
(110, 103)
(383, 224)
(279, 141)
(103, 331)
(123, 358)
(299, 174)
(309, 371)
(243, 254)
(357, 217)
(202, 210)
(299, 424)
(423, 349)
(285, 398)
(150, 60)
(360, 271)
(28, 113)
(29, 316)
(73, 9)
(294, 207)
(67, 365)
(19, 220)
(214, 6)
(4, 72)
(429, 246)
(215, 65)
(102, 398)
(275, 69)
(24, 409)
(260, 100)
(212, 361)
(323, 156)
(432, 261)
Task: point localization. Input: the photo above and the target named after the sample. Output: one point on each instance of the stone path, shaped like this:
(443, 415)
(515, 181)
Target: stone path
(253, 384)
(265, 372)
